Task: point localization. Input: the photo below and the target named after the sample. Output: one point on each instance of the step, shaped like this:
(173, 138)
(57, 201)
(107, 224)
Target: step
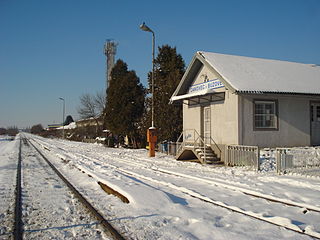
(207, 152)
(209, 158)
(201, 150)
(215, 162)
(207, 155)
(212, 159)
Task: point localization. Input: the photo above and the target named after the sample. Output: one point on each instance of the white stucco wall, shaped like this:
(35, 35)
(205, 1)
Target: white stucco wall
(200, 76)
(224, 114)
(191, 117)
(293, 120)
(224, 119)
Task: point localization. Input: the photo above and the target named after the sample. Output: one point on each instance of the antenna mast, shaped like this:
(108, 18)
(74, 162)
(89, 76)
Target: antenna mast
(110, 50)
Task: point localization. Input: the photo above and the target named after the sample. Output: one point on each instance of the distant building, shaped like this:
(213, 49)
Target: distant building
(90, 122)
(250, 101)
(54, 126)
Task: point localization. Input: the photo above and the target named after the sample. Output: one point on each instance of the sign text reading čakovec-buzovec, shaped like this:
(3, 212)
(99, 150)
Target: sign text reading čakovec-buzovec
(212, 84)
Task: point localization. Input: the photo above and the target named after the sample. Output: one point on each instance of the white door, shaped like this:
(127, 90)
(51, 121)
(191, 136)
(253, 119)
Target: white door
(207, 124)
(315, 123)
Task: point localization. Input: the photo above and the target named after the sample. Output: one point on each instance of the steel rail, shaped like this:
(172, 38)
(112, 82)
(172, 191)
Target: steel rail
(107, 226)
(244, 191)
(18, 227)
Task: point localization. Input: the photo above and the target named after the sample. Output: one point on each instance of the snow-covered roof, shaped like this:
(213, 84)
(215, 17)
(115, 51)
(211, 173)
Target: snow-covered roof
(247, 74)
(71, 125)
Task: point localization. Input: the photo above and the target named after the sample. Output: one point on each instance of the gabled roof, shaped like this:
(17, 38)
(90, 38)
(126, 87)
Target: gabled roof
(256, 75)
(247, 74)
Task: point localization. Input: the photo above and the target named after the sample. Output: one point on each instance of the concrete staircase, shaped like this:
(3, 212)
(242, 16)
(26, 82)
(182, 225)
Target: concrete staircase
(207, 155)
(204, 155)
(194, 148)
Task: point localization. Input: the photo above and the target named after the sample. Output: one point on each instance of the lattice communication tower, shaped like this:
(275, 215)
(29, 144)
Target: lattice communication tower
(110, 50)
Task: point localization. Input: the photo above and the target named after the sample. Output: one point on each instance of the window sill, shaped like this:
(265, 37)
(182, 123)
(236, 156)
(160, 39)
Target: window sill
(265, 129)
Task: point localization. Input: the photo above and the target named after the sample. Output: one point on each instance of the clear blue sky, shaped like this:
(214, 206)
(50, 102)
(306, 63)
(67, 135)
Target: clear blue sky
(54, 48)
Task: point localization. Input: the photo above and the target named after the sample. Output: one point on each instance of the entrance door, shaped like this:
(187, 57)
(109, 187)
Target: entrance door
(315, 123)
(206, 124)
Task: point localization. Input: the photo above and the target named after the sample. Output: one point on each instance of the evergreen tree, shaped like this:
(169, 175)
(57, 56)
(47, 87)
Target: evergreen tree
(125, 102)
(169, 69)
(68, 120)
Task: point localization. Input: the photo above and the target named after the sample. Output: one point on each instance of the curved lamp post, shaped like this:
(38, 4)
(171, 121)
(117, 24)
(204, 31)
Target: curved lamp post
(144, 27)
(151, 135)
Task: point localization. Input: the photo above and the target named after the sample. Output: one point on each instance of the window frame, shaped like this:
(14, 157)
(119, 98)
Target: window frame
(276, 114)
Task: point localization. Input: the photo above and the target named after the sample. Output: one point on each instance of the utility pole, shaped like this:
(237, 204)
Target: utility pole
(63, 113)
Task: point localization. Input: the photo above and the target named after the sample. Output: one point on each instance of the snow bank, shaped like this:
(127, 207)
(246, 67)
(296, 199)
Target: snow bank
(70, 126)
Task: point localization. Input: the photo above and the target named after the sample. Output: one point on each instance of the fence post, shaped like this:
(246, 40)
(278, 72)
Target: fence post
(258, 158)
(226, 155)
(278, 160)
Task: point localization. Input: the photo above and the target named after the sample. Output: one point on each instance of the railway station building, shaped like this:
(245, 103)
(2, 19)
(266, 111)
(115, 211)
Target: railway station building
(249, 101)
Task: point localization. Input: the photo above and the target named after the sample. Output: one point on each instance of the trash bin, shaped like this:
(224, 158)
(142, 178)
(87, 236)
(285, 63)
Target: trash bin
(110, 141)
(165, 146)
(172, 148)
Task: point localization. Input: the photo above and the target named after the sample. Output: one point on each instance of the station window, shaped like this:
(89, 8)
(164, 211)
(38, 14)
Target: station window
(265, 115)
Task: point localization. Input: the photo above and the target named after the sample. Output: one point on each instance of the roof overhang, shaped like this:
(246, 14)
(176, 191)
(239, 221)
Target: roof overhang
(182, 92)
(190, 95)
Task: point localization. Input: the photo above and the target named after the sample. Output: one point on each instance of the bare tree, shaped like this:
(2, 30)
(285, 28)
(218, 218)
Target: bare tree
(87, 108)
(92, 107)
(100, 100)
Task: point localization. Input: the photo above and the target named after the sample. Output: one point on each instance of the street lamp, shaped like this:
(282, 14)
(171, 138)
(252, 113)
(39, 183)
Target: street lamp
(63, 112)
(151, 135)
(144, 27)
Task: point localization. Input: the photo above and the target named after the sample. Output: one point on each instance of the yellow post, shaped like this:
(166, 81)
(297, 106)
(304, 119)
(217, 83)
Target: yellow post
(152, 139)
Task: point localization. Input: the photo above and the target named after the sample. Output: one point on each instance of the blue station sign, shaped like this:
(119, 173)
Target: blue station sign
(209, 85)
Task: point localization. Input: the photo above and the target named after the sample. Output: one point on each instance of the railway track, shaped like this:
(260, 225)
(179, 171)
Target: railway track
(48, 205)
(276, 220)
(213, 181)
(282, 223)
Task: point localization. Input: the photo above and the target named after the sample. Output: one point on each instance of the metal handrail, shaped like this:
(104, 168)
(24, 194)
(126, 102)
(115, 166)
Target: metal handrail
(197, 141)
(211, 139)
(178, 142)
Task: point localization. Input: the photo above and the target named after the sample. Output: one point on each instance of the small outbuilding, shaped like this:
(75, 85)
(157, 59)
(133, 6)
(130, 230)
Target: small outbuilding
(248, 101)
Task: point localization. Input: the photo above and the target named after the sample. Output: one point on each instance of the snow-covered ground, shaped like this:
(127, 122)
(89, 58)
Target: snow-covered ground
(169, 199)
(8, 165)
(49, 209)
